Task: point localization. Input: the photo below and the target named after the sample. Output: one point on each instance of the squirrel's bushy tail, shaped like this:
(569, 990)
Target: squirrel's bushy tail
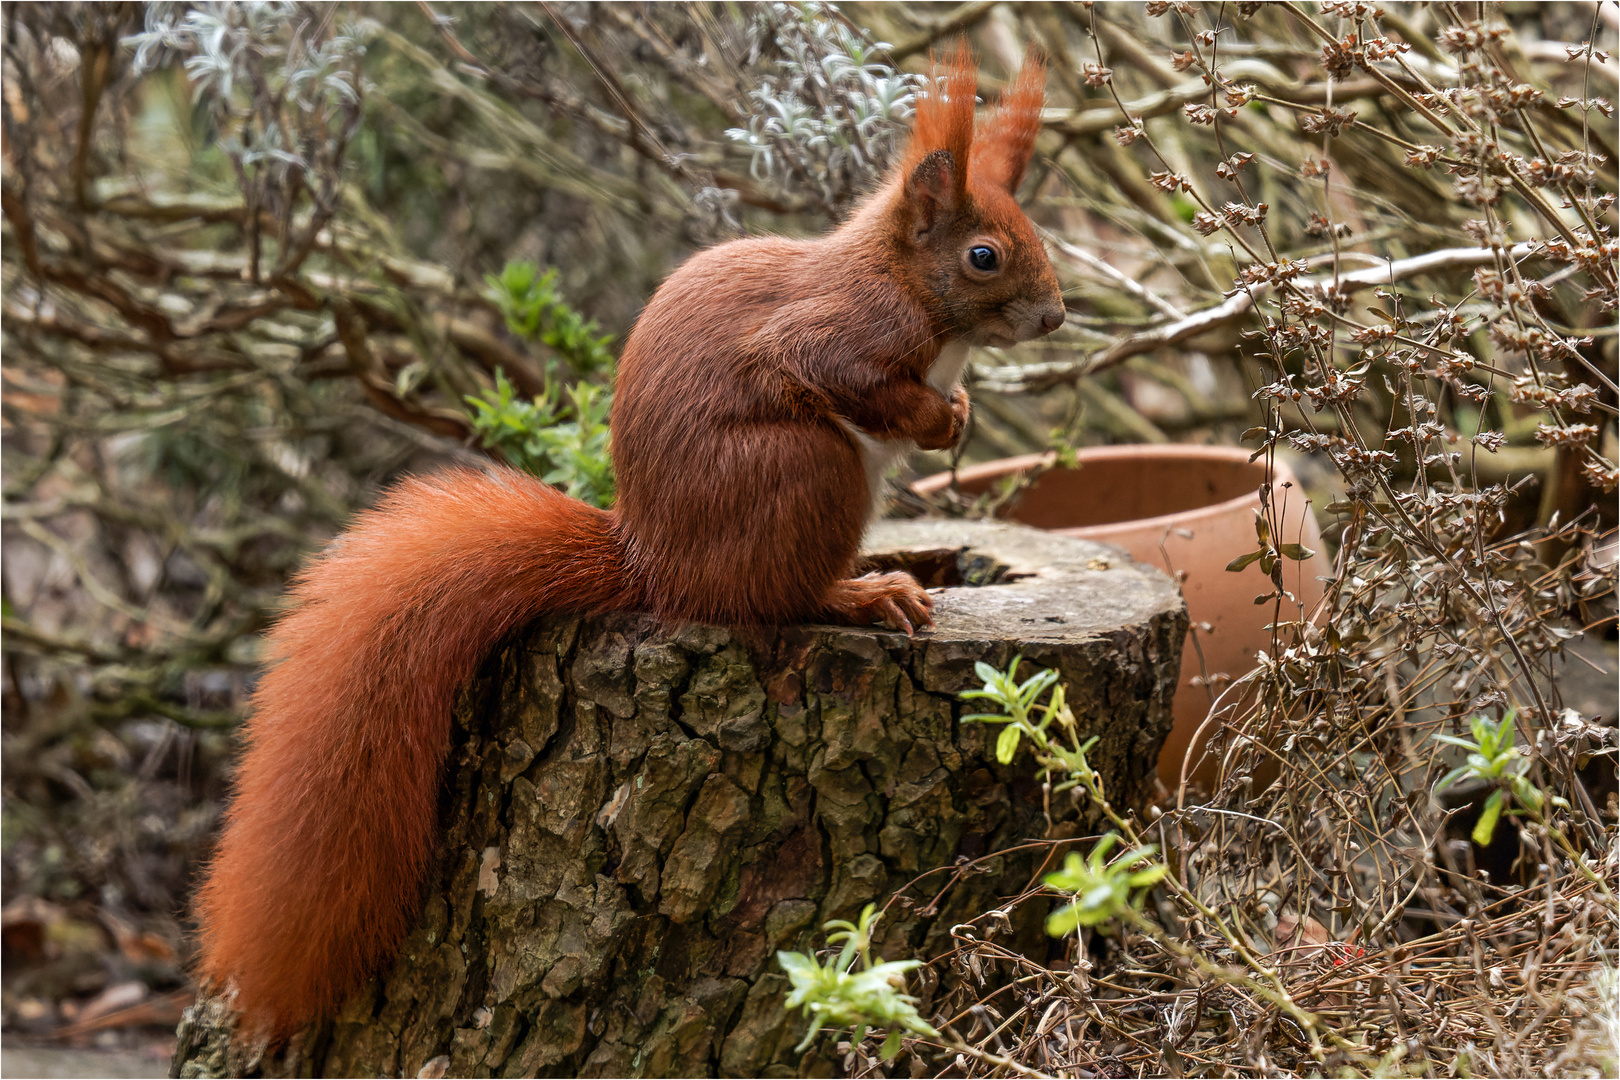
(319, 871)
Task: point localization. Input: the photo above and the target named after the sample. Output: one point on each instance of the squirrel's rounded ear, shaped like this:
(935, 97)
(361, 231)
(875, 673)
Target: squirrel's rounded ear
(931, 190)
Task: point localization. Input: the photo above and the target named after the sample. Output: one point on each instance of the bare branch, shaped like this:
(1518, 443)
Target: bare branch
(963, 18)
(1028, 378)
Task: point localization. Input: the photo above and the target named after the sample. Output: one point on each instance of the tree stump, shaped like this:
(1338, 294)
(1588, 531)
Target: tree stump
(636, 820)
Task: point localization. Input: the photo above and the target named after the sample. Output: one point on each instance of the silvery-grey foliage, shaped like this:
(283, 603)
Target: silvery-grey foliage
(826, 122)
(281, 84)
(716, 207)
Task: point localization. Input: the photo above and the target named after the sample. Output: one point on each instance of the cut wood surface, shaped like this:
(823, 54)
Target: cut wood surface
(636, 820)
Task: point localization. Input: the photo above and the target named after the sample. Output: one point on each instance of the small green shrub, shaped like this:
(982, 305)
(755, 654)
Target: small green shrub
(561, 436)
(535, 311)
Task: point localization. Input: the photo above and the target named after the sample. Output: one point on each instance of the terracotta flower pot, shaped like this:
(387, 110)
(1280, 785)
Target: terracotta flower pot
(1195, 507)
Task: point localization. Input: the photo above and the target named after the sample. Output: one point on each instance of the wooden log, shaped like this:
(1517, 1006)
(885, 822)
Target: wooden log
(636, 820)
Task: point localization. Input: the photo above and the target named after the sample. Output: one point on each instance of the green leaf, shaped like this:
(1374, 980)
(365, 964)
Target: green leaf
(1070, 877)
(1007, 743)
(1243, 561)
(1485, 827)
(794, 962)
(1098, 898)
(1151, 876)
(1527, 793)
(809, 1036)
(1031, 687)
(1136, 855)
(891, 1046)
(1451, 778)
(1063, 920)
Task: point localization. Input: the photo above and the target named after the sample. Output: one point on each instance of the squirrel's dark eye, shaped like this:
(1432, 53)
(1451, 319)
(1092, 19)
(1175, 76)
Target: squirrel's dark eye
(982, 258)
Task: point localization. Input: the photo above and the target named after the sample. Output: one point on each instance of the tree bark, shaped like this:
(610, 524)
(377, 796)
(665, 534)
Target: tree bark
(636, 820)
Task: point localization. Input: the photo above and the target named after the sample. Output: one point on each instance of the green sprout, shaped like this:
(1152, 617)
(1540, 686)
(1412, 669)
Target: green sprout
(1017, 699)
(1101, 890)
(833, 995)
(1494, 759)
(1024, 718)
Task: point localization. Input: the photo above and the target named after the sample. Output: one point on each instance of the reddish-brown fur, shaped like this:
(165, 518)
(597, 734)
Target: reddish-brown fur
(742, 497)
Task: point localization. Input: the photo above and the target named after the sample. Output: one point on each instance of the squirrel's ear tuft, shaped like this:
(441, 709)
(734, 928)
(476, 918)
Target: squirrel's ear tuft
(1002, 150)
(944, 120)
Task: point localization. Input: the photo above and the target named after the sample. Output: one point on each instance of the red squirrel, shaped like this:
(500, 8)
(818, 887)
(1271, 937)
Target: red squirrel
(761, 394)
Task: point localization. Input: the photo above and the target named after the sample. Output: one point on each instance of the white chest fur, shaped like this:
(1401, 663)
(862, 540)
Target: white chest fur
(948, 367)
(878, 456)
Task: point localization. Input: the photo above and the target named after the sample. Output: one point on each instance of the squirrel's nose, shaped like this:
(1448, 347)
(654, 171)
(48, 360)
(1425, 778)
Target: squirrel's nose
(1051, 321)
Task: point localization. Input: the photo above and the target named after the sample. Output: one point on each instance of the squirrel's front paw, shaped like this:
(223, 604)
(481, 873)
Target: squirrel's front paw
(893, 599)
(960, 408)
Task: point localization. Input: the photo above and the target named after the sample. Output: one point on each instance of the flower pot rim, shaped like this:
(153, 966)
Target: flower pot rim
(1139, 451)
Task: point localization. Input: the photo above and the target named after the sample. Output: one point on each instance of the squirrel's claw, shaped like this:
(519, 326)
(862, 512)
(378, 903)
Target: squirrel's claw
(893, 599)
